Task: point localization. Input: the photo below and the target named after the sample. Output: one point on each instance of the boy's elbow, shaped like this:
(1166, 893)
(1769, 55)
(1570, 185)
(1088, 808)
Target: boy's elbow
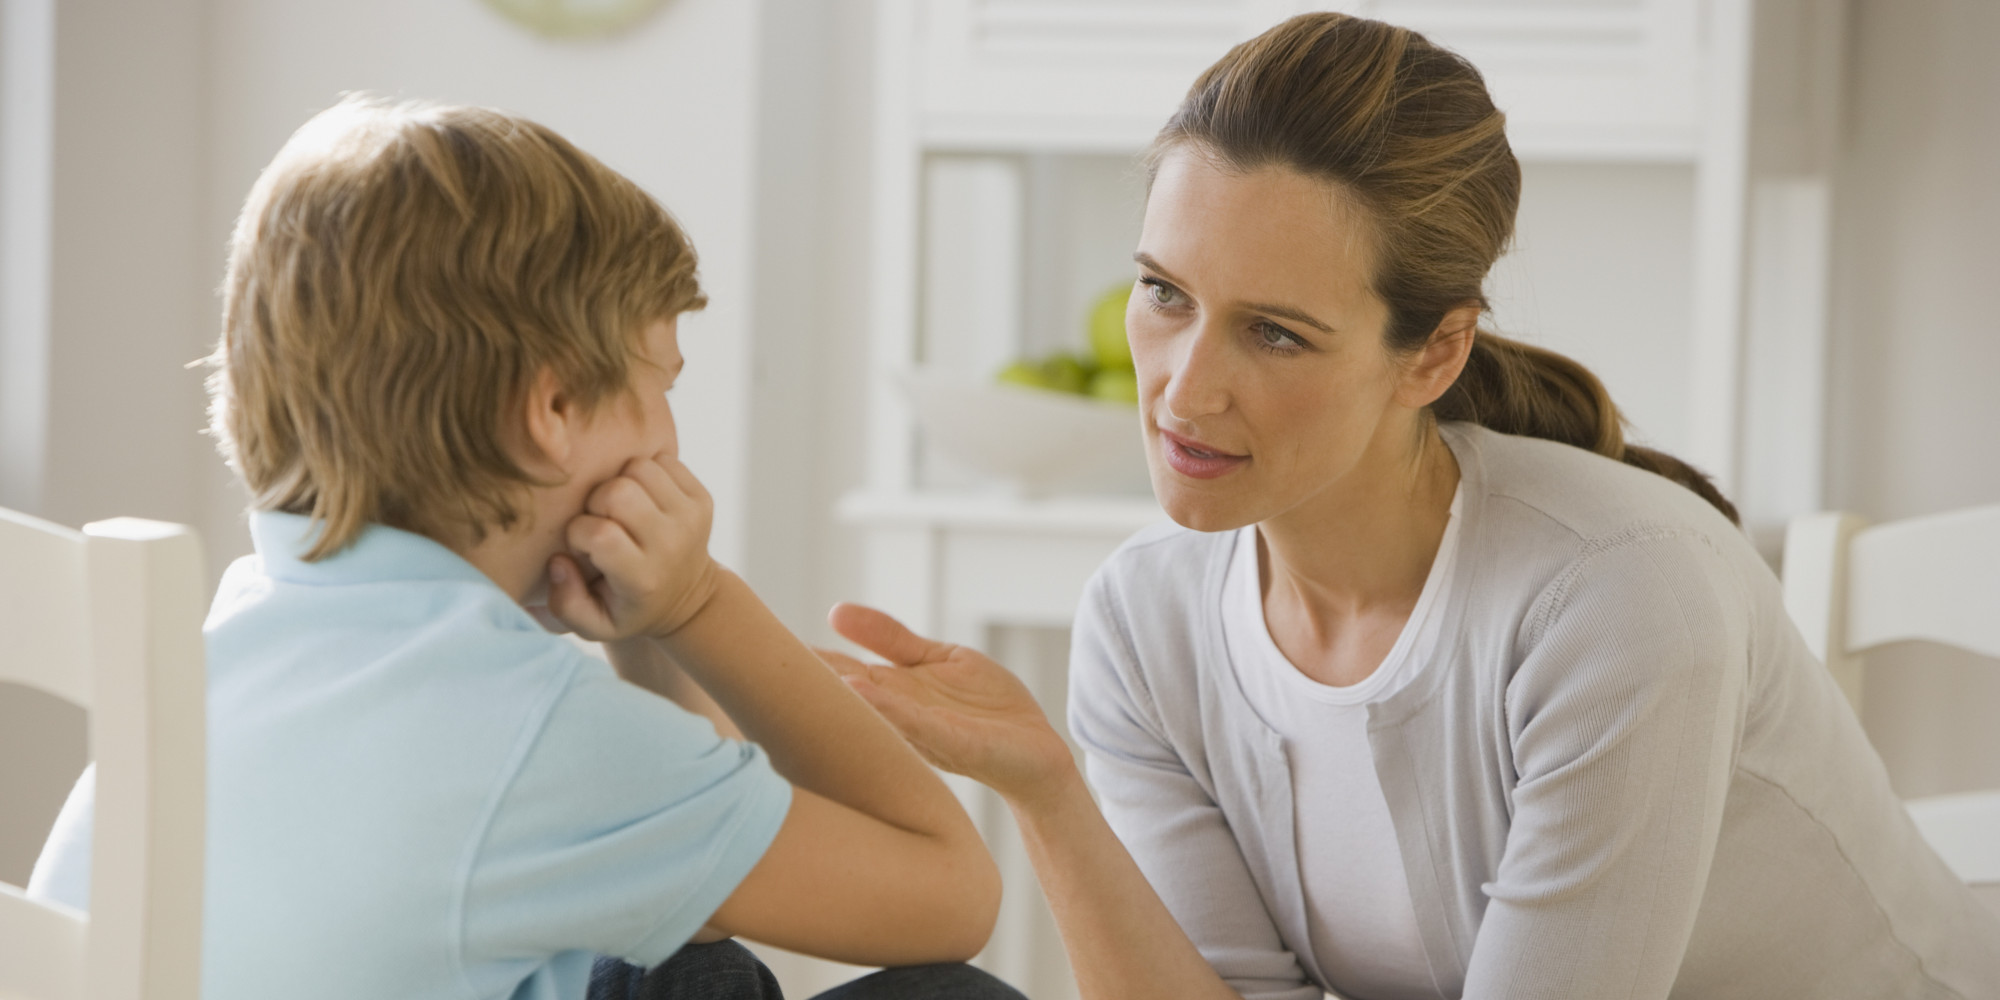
(968, 905)
(983, 905)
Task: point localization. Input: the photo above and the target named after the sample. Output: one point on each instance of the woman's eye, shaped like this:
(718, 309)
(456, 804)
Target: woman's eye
(1273, 337)
(1162, 293)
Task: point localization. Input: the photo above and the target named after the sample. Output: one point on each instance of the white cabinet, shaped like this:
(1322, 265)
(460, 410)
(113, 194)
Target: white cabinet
(1603, 78)
(1672, 237)
(1083, 75)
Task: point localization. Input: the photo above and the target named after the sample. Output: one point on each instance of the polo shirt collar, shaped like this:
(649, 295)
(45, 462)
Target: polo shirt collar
(380, 554)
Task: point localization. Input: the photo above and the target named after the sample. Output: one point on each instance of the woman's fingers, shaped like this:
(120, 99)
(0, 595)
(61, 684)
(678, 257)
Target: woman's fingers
(960, 710)
(885, 636)
(869, 678)
(926, 726)
(841, 663)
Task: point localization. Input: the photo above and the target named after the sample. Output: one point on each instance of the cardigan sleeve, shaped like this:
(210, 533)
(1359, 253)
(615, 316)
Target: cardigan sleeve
(1166, 819)
(1624, 716)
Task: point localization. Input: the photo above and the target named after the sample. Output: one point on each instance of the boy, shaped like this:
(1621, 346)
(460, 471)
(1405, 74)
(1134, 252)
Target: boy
(447, 340)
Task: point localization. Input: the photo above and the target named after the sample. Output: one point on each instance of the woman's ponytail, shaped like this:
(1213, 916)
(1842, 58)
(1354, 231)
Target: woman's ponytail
(1409, 131)
(1516, 388)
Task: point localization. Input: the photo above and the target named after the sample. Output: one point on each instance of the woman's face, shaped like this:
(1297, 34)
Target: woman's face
(1263, 379)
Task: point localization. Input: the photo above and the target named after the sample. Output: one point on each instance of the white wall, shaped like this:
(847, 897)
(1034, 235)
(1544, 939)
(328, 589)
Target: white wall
(1914, 394)
(1620, 304)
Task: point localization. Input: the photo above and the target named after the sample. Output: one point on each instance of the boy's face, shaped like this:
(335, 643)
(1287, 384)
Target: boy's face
(582, 452)
(641, 424)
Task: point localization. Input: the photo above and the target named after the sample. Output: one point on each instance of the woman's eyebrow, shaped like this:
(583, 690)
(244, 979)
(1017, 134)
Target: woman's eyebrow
(1292, 313)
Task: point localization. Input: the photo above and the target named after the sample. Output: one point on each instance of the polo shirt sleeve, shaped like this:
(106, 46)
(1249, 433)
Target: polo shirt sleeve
(628, 822)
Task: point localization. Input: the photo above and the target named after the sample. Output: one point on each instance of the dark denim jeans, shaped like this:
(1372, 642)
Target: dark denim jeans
(726, 970)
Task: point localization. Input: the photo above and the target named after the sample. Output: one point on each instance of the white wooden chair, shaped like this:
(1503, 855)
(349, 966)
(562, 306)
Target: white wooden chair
(1852, 587)
(110, 618)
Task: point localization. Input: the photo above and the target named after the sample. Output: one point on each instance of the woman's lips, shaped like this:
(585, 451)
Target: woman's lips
(1192, 459)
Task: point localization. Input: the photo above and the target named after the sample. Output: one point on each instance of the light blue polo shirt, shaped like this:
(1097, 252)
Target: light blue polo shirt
(416, 791)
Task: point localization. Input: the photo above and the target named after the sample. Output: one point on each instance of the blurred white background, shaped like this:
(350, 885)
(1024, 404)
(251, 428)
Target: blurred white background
(131, 129)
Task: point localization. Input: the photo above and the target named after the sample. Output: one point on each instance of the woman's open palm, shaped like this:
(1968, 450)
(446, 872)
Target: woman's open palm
(961, 710)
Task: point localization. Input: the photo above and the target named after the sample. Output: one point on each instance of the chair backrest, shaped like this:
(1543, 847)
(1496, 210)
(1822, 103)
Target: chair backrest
(109, 618)
(1851, 587)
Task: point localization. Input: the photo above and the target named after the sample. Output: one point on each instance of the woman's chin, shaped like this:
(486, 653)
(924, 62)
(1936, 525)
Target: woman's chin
(1198, 510)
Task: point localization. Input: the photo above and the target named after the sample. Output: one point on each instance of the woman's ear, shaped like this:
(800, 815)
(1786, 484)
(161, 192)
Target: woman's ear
(1437, 366)
(549, 416)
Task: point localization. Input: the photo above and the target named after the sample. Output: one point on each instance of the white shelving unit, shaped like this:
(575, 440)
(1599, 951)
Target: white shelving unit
(1672, 237)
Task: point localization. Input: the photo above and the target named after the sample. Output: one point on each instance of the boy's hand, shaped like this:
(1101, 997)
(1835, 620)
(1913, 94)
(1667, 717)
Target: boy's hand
(646, 532)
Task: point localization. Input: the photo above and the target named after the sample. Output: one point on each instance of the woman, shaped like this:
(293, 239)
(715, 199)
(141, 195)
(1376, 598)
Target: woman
(1447, 691)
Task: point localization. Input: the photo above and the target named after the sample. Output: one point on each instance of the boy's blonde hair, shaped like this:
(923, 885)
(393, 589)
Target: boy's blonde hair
(398, 276)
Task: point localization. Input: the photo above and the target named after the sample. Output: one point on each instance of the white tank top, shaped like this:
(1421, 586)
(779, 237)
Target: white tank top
(1358, 911)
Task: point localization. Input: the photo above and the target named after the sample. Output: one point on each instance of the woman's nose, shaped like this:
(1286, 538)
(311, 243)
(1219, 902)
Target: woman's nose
(1199, 384)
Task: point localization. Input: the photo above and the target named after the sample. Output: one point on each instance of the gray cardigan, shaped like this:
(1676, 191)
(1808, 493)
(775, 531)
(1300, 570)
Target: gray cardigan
(1622, 776)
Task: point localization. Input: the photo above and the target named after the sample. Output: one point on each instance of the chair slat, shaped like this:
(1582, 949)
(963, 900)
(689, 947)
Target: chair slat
(1816, 569)
(42, 611)
(54, 934)
(1962, 830)
(147, 739)
(1928, 578)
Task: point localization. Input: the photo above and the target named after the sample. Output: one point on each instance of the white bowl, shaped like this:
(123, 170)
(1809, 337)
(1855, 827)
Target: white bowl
(1042, 440)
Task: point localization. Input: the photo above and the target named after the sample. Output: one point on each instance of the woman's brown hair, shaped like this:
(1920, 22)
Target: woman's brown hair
(398, 275)
(1408, 130)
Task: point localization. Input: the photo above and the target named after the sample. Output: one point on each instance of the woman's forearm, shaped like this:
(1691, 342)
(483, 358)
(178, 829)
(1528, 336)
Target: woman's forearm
(973, 716)
(1122, 940)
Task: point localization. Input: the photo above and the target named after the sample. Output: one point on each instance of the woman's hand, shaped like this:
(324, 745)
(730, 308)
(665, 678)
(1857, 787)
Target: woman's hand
(962, 711)
(638, 561)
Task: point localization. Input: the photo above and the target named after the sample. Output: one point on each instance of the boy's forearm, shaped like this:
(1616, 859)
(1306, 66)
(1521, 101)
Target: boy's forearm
(819, 734)
(644, 662)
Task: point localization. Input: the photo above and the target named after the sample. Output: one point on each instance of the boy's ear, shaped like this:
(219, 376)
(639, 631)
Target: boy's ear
(549, 417)
(1437, 366)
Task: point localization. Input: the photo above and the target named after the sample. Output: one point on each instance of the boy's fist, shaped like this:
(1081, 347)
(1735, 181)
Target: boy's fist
(645, 533)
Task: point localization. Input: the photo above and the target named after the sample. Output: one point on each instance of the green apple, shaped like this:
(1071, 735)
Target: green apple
(1107, 330)
(1068, 373)
(1025, 374)
(1116, 385)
